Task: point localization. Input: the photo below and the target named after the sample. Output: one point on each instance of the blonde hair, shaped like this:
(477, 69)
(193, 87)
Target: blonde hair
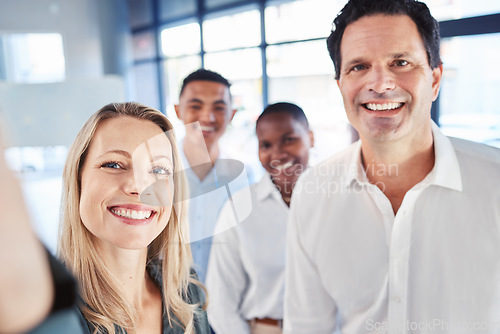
(103, 304)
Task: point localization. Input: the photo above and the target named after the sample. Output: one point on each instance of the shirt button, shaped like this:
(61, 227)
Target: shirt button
(397, 300)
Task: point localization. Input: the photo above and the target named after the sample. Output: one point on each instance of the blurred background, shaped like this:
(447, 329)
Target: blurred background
(61, 60)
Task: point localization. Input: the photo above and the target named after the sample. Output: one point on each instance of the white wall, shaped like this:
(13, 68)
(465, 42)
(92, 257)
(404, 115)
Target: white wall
(75, 20)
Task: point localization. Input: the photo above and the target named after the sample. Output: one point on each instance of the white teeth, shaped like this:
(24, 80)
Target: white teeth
(132, 214)
(207, 128)
(285, 166)
(385, 106)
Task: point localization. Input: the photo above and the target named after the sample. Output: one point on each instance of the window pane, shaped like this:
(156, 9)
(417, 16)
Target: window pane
(170, 9)
(456, 9)
(238, 64)
(181, 40)
(243, 69)
(232, 31)
(468, 100)
(32, 58)
(303, 19)
(303, 73)
(175, 71)
(303, 58)
(140, 13)
(146, 85)
(216, 3)
(144, 45)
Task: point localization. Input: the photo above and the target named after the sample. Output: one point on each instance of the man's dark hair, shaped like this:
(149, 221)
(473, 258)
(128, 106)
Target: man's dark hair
(287, 108)
(204, 75)
(427, 26)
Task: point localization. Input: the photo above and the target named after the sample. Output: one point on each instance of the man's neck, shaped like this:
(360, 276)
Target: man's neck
(201, 158)
(396, 168)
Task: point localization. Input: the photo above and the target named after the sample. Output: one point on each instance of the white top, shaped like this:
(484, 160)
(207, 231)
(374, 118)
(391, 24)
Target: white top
(206, 198)
(246, 272)
(354, 267)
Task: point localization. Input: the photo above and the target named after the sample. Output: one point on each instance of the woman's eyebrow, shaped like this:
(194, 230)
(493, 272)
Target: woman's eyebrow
(120, 152)
(159, 157)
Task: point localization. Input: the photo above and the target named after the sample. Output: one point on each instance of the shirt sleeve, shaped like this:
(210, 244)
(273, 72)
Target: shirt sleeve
(226, 281)
(308, 306)
(64, 284)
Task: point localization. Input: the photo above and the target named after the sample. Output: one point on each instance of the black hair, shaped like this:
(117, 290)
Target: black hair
(287, 108)
(427, 26)
(204, 75)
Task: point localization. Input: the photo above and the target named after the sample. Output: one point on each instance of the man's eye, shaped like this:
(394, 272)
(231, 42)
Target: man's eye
(264, 145)
(112, 165)
(357, 68)
(401, 62)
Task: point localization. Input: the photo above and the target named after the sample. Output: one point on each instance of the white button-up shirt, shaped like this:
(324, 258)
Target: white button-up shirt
(246, 272)
(434, 267)
(206, 199)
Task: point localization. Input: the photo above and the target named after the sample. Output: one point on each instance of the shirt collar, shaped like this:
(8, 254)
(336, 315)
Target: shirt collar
(445, 173)
(265, 188)
(354, 168)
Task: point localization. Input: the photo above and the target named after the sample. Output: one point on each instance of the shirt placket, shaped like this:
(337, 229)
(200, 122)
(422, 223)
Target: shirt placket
(399, 262)
(398, 232)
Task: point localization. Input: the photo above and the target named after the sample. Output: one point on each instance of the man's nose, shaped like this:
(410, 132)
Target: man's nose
(380, 79)
(207, 115)
(277, 153)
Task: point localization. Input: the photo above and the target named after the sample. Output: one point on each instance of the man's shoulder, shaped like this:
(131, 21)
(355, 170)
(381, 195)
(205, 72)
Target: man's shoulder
(476, 152)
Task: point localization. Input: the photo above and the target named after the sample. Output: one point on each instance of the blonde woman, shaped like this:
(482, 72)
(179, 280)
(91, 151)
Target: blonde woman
(123, 230)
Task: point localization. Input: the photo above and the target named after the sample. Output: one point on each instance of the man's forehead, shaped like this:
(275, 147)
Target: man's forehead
(205, 89)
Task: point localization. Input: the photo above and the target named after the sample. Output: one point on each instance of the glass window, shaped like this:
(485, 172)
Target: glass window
(243, 69)
(144, 45)
(181, 40)
(32, 58)
(237, 64)
(303, 19)
(175, 71)
(468, 102)
(170, 9)
(216, 3)
(303, 73)
(456, 9)
(140, 13)
(146, 84)
(232, 31)
(303, 58)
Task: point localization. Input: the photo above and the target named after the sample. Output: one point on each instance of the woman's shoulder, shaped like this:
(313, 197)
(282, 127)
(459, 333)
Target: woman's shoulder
(196, 293)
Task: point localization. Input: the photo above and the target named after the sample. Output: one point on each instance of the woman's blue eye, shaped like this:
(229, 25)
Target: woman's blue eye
(160, 171)
(111, 164)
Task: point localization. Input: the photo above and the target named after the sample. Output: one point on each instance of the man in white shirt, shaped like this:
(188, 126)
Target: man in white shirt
(400, 233)
(246, 271)
(205, 108)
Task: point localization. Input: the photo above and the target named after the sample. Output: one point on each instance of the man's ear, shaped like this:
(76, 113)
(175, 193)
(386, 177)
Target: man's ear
(177, 111)
(311, 138)
(233, 112)
(437, 74)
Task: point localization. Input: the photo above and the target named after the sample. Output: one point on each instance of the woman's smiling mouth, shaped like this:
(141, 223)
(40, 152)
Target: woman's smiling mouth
(131, 216)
